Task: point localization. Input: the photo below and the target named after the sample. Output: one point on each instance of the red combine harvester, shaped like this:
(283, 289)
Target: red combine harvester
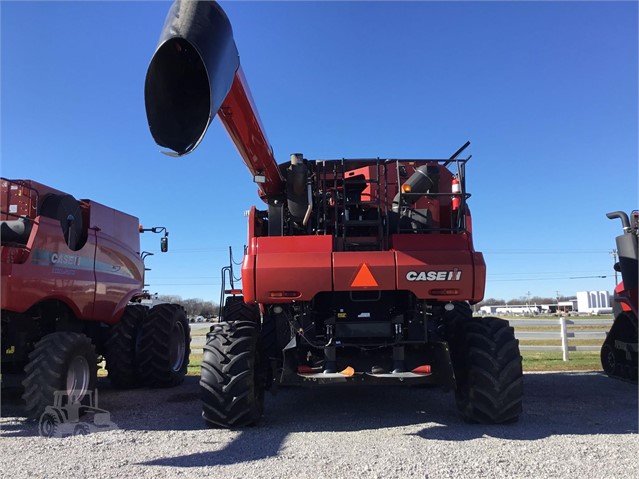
(356, 271)
(72, 282)
(619, 350)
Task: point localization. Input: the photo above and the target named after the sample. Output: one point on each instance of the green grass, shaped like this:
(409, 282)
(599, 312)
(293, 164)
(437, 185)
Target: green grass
(552, 361)
(195, 362)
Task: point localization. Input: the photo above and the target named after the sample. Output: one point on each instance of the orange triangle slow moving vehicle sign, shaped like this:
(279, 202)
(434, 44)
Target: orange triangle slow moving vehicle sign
(364, 278)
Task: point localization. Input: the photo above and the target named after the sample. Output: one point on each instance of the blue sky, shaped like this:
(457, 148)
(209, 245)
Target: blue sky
(546, 92)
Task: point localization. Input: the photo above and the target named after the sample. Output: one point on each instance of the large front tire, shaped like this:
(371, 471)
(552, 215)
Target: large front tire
(61, 361)
(488, 371)
(231, 385)
(164, 346)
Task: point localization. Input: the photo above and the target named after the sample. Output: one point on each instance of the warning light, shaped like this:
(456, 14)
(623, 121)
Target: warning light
(348, 371)
(423, 369)
(405, 188)
(444, 292)
(284, 294)
(233, 291)
(364, 278)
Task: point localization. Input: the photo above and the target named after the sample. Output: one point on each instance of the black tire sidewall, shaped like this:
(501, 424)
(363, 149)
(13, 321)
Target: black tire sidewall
(122, 348)
(49, 365)
(154, 346)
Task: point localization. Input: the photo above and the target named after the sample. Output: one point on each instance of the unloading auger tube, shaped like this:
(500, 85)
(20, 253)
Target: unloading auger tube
(195, 74)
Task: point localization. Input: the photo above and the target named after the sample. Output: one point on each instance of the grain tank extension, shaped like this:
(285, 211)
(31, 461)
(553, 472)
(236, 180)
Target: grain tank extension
(356, 270)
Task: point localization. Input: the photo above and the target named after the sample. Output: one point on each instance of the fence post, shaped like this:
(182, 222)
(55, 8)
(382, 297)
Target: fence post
(564, 337)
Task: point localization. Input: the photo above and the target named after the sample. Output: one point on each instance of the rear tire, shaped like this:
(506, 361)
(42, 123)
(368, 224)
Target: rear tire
(121, 348)
(61, 361)
(235, 309)
(164, 346)
(488, 371)
(232, 383)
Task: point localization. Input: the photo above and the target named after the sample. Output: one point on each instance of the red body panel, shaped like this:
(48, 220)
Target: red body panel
(95, 282)
(347, 265)
(307, 265)
(289, 263)
(479, 285)
(119, 271)
(51, 271)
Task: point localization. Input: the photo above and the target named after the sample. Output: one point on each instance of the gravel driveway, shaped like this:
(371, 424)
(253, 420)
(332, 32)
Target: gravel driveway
(574, 425)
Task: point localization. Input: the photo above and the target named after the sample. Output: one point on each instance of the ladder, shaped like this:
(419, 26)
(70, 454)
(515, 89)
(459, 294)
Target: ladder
(359, 222)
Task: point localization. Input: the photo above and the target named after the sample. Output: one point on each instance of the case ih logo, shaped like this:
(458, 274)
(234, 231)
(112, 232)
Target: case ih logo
(453, 275)
(57, 258)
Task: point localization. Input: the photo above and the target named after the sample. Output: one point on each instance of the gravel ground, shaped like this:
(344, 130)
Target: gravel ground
(574, 425)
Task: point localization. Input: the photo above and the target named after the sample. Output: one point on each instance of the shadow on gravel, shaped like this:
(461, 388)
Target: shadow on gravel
(558, 404)
(171, 409)
(13, 422)
(555, 404)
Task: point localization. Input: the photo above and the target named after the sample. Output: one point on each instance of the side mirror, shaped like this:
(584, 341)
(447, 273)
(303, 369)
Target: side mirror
(164, 244)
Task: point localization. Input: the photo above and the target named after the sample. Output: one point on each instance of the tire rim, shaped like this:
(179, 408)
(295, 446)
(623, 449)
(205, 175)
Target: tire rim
(178, 346)
(78, 376)
(47, 426)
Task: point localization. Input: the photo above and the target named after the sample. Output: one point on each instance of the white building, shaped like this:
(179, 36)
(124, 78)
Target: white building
(567, 306)
(513, 309)
(592, 301)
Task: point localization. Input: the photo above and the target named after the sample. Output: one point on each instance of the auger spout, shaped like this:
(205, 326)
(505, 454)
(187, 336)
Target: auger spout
(195, 74)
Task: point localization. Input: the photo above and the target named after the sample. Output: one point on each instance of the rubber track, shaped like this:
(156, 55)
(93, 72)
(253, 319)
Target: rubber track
(121, 348)
(493, 388)
(228, 382)
(47, 368)
(154, 364)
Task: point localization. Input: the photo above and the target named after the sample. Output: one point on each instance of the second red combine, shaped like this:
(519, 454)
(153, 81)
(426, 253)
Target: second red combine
(356, 270)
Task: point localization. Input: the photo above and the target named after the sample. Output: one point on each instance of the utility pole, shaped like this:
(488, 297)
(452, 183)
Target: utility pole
(614, 258)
